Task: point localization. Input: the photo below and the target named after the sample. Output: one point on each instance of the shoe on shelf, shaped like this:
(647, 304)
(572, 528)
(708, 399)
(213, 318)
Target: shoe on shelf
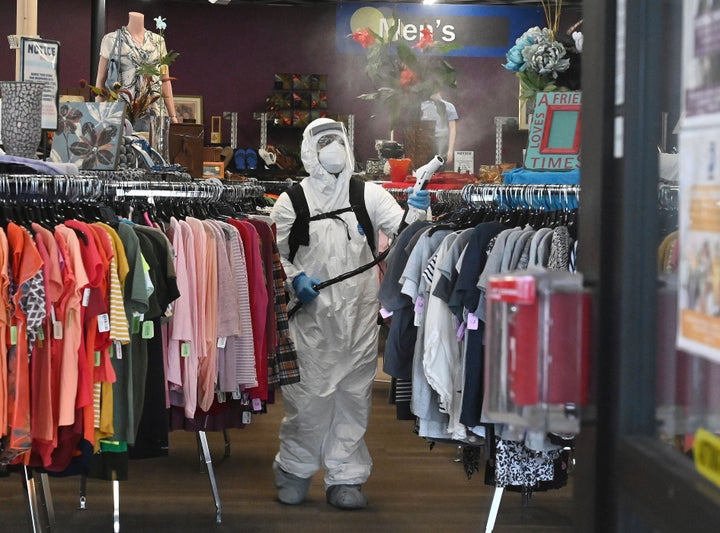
(268, 157)
(291, 489)
(239, 159)
(346, 497)
(251, 158)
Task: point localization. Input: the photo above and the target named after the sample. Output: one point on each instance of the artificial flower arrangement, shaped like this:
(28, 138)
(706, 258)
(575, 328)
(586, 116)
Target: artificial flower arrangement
(545, 60)
(139, 105)
(403, 78)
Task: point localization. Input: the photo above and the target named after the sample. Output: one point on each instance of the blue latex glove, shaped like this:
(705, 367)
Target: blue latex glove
(303, 286)
(419, 200)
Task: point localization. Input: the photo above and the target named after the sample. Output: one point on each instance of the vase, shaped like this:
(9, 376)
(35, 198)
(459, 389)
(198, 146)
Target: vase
(399, 168)
(21, 117)
(526, 108)
(161, 135)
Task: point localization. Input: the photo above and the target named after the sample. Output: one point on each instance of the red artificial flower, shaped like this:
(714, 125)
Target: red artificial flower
(426, 39)
(407, 77)
(364, 37)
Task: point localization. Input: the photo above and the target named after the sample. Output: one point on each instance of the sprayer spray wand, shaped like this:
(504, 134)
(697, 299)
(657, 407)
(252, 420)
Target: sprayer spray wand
(422, 178)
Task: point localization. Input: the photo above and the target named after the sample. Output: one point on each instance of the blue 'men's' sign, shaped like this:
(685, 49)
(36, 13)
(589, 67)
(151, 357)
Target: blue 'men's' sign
(480, 31)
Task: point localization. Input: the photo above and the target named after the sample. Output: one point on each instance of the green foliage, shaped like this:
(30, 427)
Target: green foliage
(405, 76)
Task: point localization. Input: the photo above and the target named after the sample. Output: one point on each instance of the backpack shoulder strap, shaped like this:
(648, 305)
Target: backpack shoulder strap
(357, 201)
(300, 230)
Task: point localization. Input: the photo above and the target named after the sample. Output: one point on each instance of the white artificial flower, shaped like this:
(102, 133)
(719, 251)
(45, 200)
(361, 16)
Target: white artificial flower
(578, 38)
(160, 23)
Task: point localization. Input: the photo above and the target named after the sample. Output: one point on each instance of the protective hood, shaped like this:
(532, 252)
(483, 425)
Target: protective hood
(326, 189)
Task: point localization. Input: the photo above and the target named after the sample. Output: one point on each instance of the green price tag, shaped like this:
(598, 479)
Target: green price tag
(13, 335)
(185, 349)
(97, 358)
(148, 329)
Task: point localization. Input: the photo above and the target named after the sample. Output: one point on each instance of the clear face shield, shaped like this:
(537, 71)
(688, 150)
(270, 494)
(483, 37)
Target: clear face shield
(328, 139)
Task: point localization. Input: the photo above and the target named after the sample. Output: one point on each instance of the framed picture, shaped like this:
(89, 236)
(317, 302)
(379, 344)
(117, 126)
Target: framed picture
(213, 169)
(554, 134)
(88, 134)
(189, 108)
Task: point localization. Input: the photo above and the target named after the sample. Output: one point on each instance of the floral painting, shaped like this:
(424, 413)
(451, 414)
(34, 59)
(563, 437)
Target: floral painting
(89, 134)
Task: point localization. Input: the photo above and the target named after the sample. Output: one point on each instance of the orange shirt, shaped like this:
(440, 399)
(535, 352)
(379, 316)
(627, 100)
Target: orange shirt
(4, 321)
(72, 325)
(25, 263)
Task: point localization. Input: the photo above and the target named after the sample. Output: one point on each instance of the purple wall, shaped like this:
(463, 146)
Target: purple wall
(228, 54)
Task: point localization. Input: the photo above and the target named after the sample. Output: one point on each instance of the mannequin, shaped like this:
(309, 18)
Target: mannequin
(445, 116)
(138, 45)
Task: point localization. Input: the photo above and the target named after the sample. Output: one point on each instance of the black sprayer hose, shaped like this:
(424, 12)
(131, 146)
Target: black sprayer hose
(342, 277)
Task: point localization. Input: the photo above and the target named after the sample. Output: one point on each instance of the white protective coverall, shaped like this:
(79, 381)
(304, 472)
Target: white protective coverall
(336, 334)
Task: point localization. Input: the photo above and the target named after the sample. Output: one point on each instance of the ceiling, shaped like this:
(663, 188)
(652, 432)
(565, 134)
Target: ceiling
(566, 3)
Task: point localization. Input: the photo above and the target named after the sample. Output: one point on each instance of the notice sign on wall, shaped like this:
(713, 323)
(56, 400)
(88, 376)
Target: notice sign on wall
(554, 135)
(39, 62)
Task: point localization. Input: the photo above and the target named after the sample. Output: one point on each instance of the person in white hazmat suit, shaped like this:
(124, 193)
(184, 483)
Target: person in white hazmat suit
(336, 331)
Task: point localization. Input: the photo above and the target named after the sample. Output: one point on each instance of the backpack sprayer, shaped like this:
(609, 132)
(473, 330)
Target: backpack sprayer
(422, 178)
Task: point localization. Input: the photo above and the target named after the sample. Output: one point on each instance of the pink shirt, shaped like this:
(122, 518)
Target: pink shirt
(190, 366)
(180, 329)
(207, 373)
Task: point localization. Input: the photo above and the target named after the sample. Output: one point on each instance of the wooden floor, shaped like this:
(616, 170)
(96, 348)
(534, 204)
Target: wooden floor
(412, 488)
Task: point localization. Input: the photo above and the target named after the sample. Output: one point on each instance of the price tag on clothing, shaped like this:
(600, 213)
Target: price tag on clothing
(419, 305)
(385, 313)
(184, 349)
(86, 297)
(246, 417)
(97, 358)
(135, 326)
(257, 404)
(221, 342)
(57, 330)
(148, 329)
(237, 395)
(40, 333)
(472, 321)
(461, 331)
(103, 322)
(118, 349)
(13, 335)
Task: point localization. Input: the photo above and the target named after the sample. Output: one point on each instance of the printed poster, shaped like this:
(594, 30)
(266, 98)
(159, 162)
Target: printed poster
(699, 238)
(699, 295)
(39, 62)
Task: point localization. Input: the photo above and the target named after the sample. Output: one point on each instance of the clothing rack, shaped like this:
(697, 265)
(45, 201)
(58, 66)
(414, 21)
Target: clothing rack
(93, 188)
(501, 198)
(538, 196)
